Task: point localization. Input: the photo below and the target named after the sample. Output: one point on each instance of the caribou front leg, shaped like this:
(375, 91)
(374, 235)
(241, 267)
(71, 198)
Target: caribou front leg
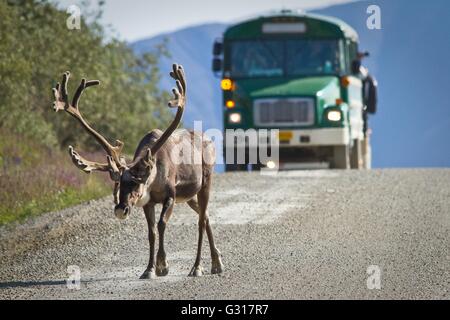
(149, 211)
(162, 267)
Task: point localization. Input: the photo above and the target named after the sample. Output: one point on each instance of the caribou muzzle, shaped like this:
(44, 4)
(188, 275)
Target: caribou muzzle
(122, 211)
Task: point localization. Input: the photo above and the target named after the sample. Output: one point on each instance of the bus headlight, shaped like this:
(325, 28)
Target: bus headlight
(334, 115)
(271, 164)
(234, 117)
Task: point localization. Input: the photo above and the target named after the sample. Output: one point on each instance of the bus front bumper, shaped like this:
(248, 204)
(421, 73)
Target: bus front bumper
(289, 138)
(314, 137)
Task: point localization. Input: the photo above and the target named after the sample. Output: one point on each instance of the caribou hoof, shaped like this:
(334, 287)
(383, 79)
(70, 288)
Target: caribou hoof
(216, 269)
(148, 274)
(162, 271)
(196, 272)
(217, 266)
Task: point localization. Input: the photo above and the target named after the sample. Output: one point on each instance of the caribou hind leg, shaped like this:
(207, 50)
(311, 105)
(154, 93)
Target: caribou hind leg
(200, 207)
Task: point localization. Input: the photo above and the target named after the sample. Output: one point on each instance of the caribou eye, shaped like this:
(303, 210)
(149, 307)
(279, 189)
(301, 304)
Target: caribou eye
(137, 179)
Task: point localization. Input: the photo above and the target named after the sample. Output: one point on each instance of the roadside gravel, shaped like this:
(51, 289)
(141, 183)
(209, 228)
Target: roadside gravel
(296, 235)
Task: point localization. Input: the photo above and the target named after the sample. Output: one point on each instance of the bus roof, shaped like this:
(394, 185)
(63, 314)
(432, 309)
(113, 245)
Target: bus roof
(251, 27)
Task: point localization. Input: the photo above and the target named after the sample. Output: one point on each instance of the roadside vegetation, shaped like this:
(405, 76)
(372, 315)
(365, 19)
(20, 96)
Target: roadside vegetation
(35, 178)
(36, 47)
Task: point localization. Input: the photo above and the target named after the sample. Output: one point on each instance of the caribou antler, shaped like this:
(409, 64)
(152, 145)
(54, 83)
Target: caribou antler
(89, 166)
(86, 165)
(180, 94)
(62, 103)
(179, 102)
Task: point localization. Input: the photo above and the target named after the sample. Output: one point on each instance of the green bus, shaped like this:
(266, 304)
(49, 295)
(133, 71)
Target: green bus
(301, 74)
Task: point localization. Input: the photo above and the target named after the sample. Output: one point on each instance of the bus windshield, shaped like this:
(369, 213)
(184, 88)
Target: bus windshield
(267, 58)
(257, 58)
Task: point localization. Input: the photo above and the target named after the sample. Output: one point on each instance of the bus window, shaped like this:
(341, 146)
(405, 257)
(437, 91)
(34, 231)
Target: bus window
(257, 58)
(312, 57)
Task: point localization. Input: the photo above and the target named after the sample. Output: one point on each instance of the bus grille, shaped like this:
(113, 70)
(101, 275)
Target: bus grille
(284, 112)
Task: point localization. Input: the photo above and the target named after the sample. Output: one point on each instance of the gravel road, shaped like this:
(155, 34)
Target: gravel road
(295, 235)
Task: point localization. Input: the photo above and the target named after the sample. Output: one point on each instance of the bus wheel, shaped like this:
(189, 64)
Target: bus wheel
(367, 153)
(356, 159)
(256, 167)
(341, 157)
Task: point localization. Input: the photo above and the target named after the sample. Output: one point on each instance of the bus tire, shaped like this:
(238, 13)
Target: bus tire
(256, 167)
(341, 157)
(367, 153)
(356, 159)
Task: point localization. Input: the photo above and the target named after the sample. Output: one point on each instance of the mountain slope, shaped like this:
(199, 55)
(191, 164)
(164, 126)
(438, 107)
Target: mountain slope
(409, 57)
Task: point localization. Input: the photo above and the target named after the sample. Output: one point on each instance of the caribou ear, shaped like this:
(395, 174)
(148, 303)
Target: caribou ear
(148, 157)
(141, 169)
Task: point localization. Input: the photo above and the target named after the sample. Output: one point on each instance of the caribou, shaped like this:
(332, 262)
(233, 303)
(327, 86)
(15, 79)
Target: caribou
(158, 173)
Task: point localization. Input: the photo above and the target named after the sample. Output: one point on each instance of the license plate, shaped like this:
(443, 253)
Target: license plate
(285, 135)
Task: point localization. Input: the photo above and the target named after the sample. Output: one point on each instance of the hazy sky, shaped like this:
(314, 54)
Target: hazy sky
(135, 19)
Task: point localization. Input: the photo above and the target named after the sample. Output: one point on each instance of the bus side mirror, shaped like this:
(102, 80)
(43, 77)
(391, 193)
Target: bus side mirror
(372, 94)
(364, 54)
(217, 48)
(217, 65)
(356, 66)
